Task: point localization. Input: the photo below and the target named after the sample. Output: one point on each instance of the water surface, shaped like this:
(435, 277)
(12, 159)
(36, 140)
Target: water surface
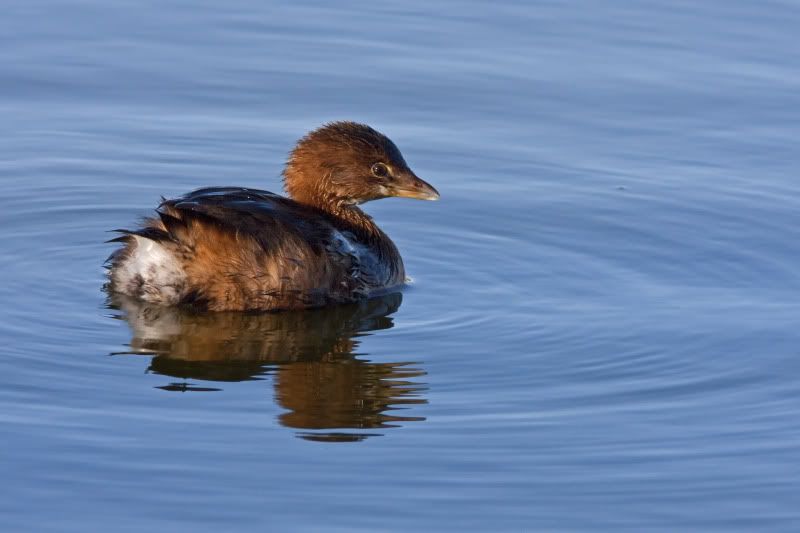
(602, 328)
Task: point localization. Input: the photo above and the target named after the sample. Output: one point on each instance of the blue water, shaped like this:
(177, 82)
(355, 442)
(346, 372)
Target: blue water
(602, 331)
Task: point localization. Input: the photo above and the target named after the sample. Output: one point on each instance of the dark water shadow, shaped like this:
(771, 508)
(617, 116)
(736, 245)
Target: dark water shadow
(319, 378)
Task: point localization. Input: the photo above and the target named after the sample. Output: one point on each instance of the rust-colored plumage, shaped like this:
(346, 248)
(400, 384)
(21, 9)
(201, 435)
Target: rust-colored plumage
(230, 248)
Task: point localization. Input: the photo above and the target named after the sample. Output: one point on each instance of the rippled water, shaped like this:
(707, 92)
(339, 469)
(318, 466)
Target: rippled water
(602, 328)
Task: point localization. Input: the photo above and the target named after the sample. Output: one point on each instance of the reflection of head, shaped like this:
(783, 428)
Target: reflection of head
(345, 393)
(317, 376)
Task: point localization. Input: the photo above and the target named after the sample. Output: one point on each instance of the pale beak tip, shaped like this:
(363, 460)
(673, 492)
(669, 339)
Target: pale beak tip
(414, 187)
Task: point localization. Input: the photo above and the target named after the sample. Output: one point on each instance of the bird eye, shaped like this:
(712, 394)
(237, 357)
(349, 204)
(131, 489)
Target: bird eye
(380, 170)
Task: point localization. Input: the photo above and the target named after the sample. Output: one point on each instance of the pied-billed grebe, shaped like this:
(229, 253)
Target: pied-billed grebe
(230, 248)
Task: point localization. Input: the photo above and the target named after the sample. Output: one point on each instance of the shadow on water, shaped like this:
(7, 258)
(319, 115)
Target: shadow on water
(318, 377)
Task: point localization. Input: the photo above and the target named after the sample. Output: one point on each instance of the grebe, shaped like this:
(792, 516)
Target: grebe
(238, 249)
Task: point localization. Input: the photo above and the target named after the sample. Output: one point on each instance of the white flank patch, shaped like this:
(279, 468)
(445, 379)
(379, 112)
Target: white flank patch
(154, 269)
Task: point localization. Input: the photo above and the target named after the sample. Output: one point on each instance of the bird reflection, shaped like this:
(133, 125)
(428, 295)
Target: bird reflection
(318, 377)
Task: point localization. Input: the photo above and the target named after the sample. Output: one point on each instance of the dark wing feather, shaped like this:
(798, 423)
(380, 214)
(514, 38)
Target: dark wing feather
(262, 215)
(148, 232)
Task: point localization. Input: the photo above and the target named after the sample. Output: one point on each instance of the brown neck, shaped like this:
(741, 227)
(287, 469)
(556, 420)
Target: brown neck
(315, 193)
(350, 217)
(345, 215)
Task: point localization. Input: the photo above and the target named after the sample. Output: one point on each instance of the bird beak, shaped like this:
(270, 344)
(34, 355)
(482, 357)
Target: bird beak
(410, 186)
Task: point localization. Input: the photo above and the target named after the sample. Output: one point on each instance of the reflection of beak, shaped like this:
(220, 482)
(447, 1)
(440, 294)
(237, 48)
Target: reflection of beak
(410, 186)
